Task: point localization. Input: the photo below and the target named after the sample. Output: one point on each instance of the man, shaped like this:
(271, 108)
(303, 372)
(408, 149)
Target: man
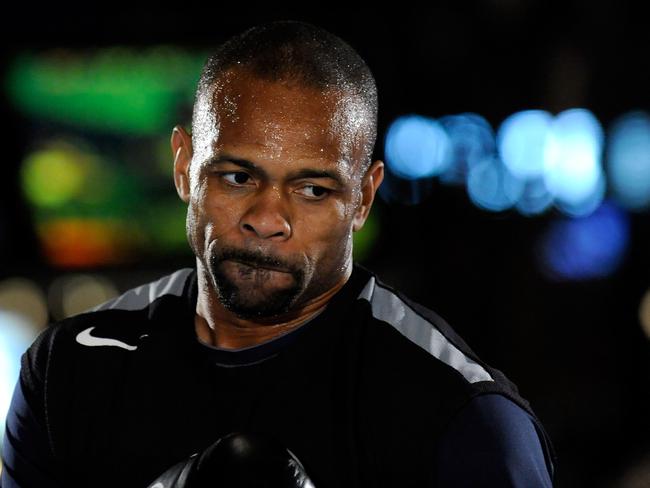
(276, 332)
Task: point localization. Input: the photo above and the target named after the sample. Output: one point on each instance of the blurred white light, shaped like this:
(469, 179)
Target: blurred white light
(521, 140)
(472, 140)
(587, 205)
(572, 160)
(76, 293)
(417, 147)
(491, 186)
(16, 335)
(25, 298)
(628, 160)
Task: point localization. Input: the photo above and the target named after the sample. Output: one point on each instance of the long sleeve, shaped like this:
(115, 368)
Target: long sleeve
(27, 457)
(492, 442)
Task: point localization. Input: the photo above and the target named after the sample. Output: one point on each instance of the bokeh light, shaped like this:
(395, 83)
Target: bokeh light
(23, 313)
(492, 187)
(535, 198)
(81, 292)
(62, 172)
(79, 242)
(113, 89)
(472, 140)
(16, 335)
(535, 161)
(89, 210)
(521, 141)
(74, 293)
(572, 161)
(23, 297)
(417, 147)
(628, 160)
(586, 247)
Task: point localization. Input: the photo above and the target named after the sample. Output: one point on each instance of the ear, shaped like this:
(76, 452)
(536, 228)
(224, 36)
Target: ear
(181, 143)
(371, 181)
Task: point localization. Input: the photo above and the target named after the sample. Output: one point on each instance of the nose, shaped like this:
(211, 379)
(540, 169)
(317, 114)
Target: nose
(267, 217)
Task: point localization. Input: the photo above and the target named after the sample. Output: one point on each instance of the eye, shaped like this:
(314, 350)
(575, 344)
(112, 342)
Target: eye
(236, 177)
(314, 192)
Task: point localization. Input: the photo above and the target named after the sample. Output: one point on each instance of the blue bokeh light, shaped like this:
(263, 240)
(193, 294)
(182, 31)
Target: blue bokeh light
(586, 247)
(543, 160)
(472, 140)
(572, 161)
(535, 198)
(521, 140)
(587, 205)
(628, 160)
(492, 187)
(417, 147)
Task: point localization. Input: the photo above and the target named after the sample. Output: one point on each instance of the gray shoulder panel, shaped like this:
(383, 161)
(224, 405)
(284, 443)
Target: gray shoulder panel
(388, 307)
(138, 298)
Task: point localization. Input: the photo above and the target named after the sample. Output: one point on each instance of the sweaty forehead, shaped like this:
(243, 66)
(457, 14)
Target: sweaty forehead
(285, 118)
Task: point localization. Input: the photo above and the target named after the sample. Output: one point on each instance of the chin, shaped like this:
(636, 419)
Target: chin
(250, 292)
(249, 304)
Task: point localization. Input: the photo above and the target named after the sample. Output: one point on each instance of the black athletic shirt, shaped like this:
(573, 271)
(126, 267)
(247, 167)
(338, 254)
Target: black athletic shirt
(375, 391)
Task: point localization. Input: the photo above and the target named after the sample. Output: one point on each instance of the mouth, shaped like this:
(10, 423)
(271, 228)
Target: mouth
(267, 267)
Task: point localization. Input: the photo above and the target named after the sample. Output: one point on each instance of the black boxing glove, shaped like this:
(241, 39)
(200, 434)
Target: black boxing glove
(237, 461)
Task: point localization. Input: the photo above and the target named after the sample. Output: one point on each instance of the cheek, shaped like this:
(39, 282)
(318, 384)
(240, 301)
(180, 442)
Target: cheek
(344, 213)
(192, 229)
(325, 228)
(204, 217)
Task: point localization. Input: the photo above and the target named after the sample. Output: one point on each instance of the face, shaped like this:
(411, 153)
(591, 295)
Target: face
(275, 188)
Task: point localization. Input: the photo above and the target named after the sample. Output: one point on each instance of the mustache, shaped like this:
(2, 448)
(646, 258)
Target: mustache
(254, 258)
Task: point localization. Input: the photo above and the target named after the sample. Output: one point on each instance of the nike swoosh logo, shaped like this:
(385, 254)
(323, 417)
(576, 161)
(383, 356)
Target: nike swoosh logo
(85, 339)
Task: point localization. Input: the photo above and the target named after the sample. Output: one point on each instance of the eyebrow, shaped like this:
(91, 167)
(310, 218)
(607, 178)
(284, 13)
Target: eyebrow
(237, 161)
(296, 175)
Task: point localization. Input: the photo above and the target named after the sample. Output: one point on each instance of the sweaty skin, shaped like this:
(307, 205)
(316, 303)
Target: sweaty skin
(274, 183)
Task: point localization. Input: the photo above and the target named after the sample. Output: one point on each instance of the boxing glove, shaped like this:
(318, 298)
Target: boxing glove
(238, 460)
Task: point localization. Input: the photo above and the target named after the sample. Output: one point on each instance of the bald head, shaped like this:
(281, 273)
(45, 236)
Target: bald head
(299, 54)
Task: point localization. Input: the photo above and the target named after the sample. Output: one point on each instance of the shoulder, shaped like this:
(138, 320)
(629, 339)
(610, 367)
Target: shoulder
(425, 348)
(426, 365)
(119, 323)
(492, 441)
(411, 326)
(133, 302)
(143, 296)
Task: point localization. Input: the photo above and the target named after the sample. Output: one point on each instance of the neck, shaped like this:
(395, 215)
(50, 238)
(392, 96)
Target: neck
(217, 326)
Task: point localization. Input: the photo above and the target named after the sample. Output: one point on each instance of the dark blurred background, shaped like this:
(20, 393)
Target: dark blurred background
(517, 135)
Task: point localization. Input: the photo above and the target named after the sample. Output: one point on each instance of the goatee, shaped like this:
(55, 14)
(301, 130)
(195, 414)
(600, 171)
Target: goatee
(253, 296)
